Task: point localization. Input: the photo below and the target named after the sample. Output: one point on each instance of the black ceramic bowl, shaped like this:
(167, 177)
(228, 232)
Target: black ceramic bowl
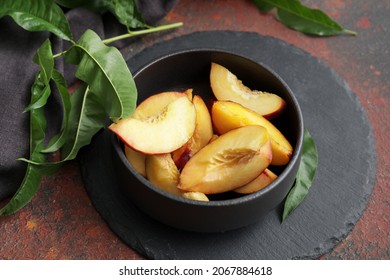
(191, 69)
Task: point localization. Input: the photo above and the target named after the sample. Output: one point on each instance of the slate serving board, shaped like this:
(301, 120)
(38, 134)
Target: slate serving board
(339, 194)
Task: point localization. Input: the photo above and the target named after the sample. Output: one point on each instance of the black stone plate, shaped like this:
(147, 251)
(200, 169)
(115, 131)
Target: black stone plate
(345, 176)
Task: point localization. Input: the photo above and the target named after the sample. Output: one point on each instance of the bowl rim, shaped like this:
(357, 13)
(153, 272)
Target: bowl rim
(231, 201)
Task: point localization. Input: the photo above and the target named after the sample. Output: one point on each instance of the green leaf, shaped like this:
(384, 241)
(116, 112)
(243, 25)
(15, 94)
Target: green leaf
(87, 116)
(304, 177)
(125, 11)
(105, 71)
(44, 58)
(37, 15)
(41, 87)
(28, 188)
(109, 89)
(59, 140)
(301, 18)
(44, 93)
(263, 6)
(33, 174)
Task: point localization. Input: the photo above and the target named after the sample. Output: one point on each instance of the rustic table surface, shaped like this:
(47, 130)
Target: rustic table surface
(61, 222)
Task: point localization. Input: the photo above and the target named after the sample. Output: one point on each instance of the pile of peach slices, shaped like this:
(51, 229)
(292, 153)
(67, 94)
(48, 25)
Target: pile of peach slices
(182, 147)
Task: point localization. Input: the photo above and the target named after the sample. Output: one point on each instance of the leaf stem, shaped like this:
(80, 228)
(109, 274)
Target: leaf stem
(141, 32)
(132, 34)
(60, 54)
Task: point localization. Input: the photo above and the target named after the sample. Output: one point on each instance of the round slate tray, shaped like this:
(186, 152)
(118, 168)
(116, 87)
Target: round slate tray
(337, 198)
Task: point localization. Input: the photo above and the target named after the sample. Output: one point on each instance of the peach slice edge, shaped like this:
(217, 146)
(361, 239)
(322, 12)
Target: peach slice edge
(226, 86)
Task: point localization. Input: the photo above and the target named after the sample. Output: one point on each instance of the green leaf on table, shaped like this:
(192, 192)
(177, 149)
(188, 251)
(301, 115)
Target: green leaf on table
(106, 73)
(28, 188)
(301, 18)
(304, 177)
(37, 15)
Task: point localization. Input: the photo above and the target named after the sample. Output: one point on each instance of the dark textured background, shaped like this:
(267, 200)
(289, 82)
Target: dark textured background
(61, 223)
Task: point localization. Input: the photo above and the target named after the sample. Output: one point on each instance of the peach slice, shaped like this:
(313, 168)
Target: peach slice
(196, 196)
(232, 160)
(153, 104)
(159, 131)
(264, 179)
(136, 159)
(227, 115)
(162, 172)
(226, 86)
(202, 134)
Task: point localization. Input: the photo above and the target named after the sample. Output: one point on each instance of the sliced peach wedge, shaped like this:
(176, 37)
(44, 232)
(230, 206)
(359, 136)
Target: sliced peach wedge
(227, 115)
(264, 179)
(153, 104)
(162, 172)
(232, 160)
(226, 86)
(136, 159)
(202, 134)
(195, 196)
(158, 127)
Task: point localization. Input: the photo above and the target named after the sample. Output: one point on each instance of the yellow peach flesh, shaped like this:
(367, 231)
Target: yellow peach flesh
(162, 172)
(162, 132)
(153, 104)
(226, 86)
(232, 160)
(202, 134)
(136, 159)
(195, 196)
(227, 115)
(260, 182)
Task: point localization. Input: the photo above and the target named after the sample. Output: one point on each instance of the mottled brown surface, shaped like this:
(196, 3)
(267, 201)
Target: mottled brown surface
(61, 223)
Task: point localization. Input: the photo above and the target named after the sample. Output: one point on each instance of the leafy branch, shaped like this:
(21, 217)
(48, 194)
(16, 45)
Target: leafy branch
(108, 88)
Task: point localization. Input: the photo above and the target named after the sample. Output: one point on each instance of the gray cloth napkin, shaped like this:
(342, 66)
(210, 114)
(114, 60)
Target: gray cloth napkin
(17, 73)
